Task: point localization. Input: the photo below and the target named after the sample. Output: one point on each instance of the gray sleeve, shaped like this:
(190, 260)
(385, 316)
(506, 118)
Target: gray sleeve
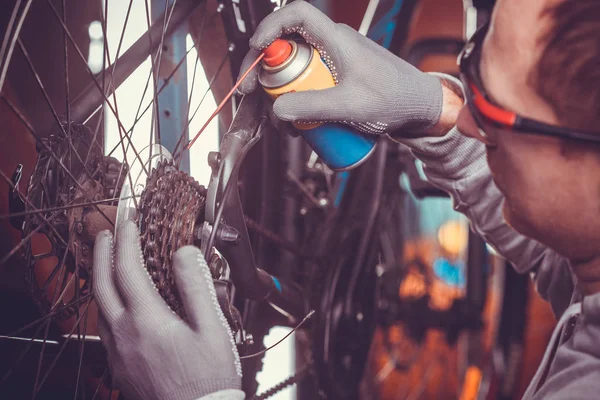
(457, 164)
(575, 369)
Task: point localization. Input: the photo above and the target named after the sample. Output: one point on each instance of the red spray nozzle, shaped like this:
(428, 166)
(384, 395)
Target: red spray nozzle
(277, 52)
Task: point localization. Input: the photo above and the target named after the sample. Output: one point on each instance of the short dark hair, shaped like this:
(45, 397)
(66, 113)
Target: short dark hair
(568, 73)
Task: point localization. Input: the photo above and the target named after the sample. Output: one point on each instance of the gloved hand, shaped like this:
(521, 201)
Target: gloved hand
(152, 352)
(376, 91)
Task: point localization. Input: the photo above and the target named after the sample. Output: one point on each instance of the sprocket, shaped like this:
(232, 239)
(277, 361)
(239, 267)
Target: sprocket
(171, 205)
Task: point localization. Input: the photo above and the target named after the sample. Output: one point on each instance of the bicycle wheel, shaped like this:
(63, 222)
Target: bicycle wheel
(61, 64)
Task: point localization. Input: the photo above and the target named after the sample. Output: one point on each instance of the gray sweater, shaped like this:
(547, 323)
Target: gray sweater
(457, 164)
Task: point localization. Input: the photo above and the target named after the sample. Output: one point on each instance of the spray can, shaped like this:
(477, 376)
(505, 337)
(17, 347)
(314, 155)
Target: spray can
(290, 66)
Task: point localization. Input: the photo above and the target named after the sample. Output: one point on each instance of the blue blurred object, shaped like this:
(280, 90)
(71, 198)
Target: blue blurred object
(450, 273)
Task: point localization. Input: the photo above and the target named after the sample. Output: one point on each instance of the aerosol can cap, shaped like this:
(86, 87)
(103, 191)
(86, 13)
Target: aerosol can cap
(277, 52)
(284, 61)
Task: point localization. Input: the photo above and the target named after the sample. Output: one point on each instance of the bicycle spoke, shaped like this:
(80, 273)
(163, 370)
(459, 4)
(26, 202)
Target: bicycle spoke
(101, 117)
(49, 102)
(185, 128)
(95, 81)
(120, 39)
(77, 282)
(114, 95)
(62, 348)
(46, 220)
(138, 115)
(130, 131)
(64, 9)
(62, 268)
(164, 85)
(153, 66)
(167, 80)
(48, 316)
(31, 205)
(104, 376)
(68, 109)
(189, 103)
(135, 121)
(51, 277)
(23, 353)
(47, 319)
(180, 151)
(62, 208)
(64, 287)
(52, 154)
(107, 57)
(85, 321)
(6, 52)
(7, 35)
(41, 358)
(25, 240)
(43, 256)
(156, 74)
(95, 138)
(210, 84)
(113, 89)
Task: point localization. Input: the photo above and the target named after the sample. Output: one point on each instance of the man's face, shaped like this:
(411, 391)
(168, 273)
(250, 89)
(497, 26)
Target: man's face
(552, 194)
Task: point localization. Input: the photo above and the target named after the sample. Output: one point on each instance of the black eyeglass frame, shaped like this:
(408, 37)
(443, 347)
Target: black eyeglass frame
(484, 109)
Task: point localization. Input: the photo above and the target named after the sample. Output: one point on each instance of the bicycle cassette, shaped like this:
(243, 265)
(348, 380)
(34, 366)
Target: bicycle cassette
(171, 206)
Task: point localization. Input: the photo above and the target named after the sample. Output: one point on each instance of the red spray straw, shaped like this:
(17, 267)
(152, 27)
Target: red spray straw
(220, 107)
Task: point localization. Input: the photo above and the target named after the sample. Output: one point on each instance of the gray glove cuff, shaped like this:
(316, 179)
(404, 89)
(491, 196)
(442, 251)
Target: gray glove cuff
(420, 103)
(231, 394)
(201, 388)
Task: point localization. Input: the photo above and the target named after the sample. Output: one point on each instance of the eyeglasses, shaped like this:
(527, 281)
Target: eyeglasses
(485, 111)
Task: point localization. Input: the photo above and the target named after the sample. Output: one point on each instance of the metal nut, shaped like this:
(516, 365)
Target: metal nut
(228, 234)
(214, 160)
(249, 339)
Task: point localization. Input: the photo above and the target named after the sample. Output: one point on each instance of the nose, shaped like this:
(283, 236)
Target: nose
(467, 126)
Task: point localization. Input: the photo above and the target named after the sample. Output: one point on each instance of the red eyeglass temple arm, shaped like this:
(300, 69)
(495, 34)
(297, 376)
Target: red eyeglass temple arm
(491, 111)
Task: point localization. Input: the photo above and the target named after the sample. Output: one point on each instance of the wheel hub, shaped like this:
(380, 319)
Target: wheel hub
(51, 185)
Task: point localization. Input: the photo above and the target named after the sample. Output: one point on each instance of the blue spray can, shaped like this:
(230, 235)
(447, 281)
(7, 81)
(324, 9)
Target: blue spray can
(289, 66)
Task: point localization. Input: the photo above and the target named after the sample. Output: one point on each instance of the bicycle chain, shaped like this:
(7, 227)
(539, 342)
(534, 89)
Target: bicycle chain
(170, 206)
(296, 378)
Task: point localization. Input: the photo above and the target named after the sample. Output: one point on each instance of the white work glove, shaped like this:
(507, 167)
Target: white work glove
(152, 352)
(376, 92)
